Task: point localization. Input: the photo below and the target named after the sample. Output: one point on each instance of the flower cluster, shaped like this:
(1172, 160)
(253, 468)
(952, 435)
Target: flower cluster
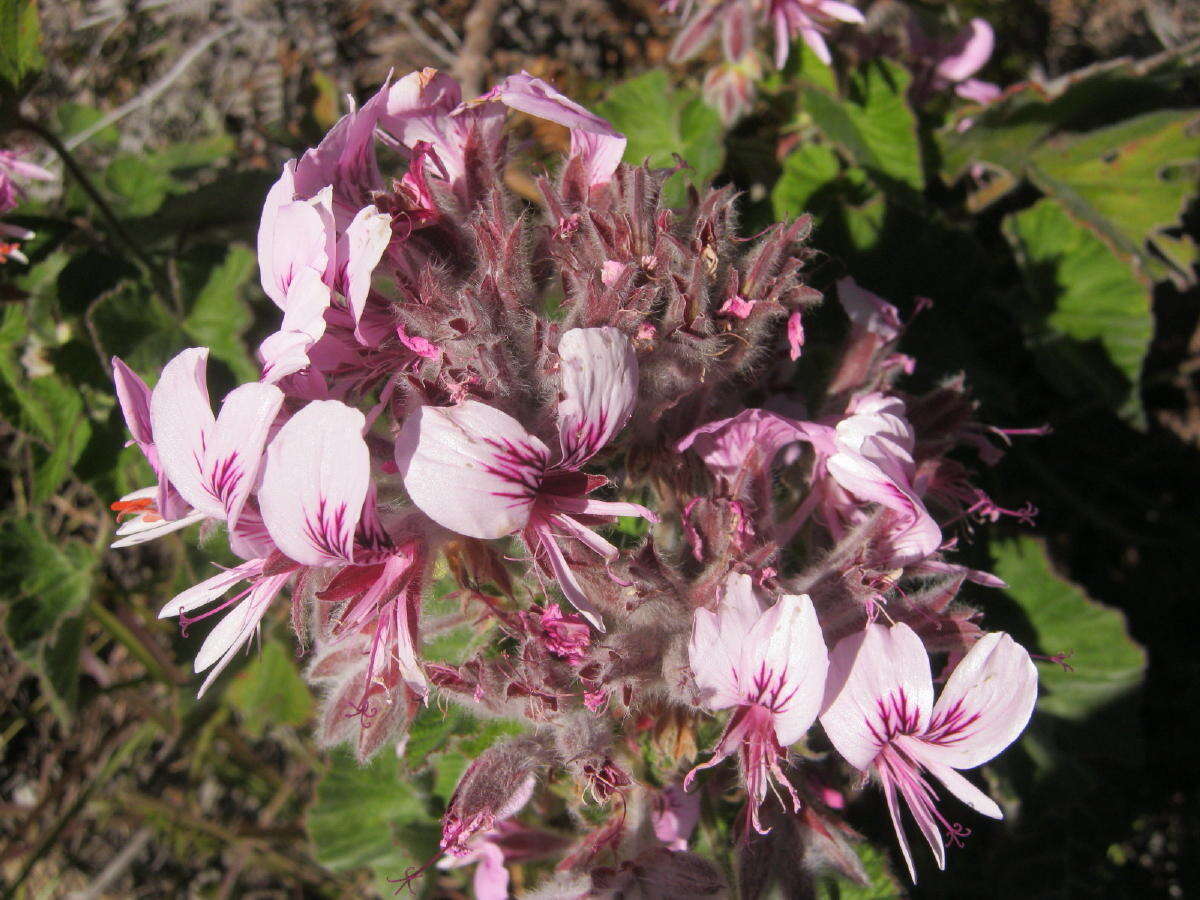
(13, 170)
(468, 382)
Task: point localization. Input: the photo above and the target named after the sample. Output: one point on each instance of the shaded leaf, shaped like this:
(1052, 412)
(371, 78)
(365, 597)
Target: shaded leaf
(1107, 663)
(45, 584)
(1083, 292)
(660, 121)
(20, 41)
(873, 124)
(269, 691)
(370, 816)
(219, 316)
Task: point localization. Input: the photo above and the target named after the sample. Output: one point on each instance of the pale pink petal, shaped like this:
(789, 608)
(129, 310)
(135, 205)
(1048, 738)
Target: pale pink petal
(491, 877)
(716, 649)
(783, 37)
(696, 32)
(233, 455)
(599, 390)
(785, 647)
(674, 816)
(842, 11)
(149, 525)
(210, 589)
(752, 436)
(795, 335)
(286, 351)
(972, 49)
(816, 43)
(985, 705)
(181, 419)
(293, 236)
(134, 397)
(314, 483)
(236, 628)
(893, 805)
(572, 590)
(878, 683)
(981, 92)
(471, 468)
(360, 248)
(960, 787)
(869, 312)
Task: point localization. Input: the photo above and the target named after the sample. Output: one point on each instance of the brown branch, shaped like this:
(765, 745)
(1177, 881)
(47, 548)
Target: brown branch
(471, 65)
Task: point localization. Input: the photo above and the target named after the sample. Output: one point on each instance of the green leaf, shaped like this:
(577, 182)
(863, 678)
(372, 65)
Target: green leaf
(873, 124)
(46, 407)
(269, 691)
(1082, 292)
(45, 584)
(1107, 664)
(370, 816)
(660, 120)
(882, 885)
(129, 322)
(1127, 182)
(140, 186)
(806, 170)
(20, 41)
(219, 315)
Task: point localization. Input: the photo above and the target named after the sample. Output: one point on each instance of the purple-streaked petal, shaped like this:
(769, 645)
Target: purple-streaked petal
(314, 483)
(696, 32)
(599, 390)
(985, 705)
(878, 685)
(785, 649)
(181, 420)
(471, 468)
(286, 351)
(233, 455)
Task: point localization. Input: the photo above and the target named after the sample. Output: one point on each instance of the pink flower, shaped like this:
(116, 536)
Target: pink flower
(945, 64)
(809, 19)
(153, 511)
(594, 142)
(212, 461)
(880, 715)
(674, 816)
(476, 471)
(743, 446)
(565, 636)
(769, 667)
(795, 335)
(12, 168)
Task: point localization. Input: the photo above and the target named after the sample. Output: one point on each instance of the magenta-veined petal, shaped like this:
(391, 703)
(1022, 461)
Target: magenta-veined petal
(314, 483)
(471, 468)
(599, 386)
(181, 419)
(878, 685)
(696, 32)
(286, 351)
(786, 651)
(233, 455)
(985, 705)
